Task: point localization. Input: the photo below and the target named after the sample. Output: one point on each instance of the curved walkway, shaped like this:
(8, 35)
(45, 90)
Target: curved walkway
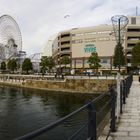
(129, 125)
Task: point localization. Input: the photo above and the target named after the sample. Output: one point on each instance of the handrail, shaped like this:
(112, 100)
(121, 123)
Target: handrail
(40, 131)
(77, 132)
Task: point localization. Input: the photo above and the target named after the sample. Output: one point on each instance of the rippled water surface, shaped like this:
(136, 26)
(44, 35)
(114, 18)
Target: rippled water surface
(25, 110)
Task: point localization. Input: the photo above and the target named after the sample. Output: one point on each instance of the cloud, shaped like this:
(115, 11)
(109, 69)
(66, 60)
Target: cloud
(40, 19)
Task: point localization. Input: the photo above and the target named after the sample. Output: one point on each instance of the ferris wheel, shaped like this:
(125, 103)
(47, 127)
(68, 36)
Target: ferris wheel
(10, 38)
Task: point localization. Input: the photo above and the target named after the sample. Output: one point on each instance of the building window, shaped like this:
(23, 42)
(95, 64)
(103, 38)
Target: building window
(86, 61)
(133, 38)
(131, 45)
(133, 30)
(128, 60)
(88, 40)
(104, 32)
(65, 35)
(79, 61)
(133, 20)
(77, 41)
(65, 42)
(73, 62)
(65, 49)
(104, 39)
(79, 34)
(90, 33)
(104, 60)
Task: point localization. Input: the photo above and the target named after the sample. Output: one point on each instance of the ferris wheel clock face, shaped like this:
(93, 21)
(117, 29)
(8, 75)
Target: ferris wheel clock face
(10, 37)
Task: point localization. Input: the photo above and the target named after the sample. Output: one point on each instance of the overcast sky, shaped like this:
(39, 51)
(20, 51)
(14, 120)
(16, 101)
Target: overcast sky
(40, 19)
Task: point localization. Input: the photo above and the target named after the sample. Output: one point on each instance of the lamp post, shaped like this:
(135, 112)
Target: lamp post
(119, 23)
(119, 41)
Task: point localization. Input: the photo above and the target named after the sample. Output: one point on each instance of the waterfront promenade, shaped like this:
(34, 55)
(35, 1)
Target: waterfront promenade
(129, 124)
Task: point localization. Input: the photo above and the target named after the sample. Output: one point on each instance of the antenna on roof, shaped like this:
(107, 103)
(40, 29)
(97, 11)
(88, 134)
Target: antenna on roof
(136, 10)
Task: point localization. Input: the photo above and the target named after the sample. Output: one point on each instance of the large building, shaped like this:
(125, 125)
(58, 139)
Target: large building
(47, 49)
(79, 43)
(132, 36)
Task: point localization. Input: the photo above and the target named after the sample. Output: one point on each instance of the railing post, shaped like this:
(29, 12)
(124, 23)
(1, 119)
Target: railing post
(121, 97)
(124, 92)
(113, 106)
(92, 133)
(126, 86)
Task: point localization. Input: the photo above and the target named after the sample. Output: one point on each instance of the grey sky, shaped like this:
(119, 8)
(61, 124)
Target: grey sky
(40, 19)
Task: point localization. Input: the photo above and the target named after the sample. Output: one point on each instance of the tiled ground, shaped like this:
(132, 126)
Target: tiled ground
(129, 126)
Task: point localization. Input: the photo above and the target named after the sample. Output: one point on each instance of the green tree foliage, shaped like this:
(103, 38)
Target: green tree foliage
(27, 65)
(12, 65)
(43, 64)
(118, 58)
(136, 55)
(65, 60)
(94, 61)
(3, 66)
(47, 63)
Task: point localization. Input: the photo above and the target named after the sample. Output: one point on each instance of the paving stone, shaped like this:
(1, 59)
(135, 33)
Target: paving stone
(129, 120)
(119, 133)
(135, 124)
(129, 128)
(136, 134)
(126, 124)
(125, 138)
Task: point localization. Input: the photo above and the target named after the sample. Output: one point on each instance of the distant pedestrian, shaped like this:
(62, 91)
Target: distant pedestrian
(139, 76)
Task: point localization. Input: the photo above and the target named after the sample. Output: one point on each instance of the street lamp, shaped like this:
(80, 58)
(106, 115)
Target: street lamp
(119, 23)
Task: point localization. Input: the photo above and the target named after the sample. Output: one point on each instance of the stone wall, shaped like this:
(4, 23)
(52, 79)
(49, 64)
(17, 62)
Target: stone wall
(72, 85)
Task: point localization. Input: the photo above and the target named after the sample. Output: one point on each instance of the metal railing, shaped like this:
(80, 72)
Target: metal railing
(124, 91)
(93, 122)
(19, 77)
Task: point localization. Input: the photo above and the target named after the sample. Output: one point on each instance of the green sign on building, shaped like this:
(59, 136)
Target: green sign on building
(89, 48)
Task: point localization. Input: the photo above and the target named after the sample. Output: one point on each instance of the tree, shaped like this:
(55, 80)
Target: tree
(3, 66)
(27, 65)
(136, 55)
(65, 60)
(47, 63)
(94, 61)
(43, 64)
(118, 58)
(12, 64)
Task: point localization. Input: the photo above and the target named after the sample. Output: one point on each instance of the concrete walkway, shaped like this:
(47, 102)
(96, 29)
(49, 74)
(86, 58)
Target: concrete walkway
(129, 125)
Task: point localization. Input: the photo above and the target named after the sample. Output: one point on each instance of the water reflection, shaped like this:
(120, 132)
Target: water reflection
(25, 110)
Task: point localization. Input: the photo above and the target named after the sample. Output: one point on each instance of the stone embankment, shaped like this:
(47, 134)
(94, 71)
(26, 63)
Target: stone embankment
(68, 85)
(75, 85)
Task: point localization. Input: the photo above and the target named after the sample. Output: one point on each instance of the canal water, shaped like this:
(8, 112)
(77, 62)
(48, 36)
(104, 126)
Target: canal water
(25, 110)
